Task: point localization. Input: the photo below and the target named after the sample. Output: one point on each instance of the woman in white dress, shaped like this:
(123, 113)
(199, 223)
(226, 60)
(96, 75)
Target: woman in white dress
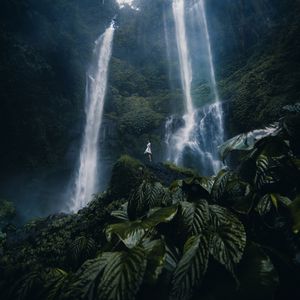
(148, 151)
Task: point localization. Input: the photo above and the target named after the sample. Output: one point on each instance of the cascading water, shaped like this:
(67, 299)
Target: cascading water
(211, 125)
(202, 129)
(87, 174)
(183, 137)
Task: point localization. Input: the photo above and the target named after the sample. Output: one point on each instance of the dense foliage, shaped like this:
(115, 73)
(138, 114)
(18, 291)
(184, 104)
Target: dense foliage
(159, 231)
(234, 235)
(45, 52)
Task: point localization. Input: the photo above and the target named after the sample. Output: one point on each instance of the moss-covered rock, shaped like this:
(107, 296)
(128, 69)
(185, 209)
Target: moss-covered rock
(126, 174)
(180, 170)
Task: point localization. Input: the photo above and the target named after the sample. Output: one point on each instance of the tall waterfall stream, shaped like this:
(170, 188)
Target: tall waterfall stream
(203, 129)
(86, 177)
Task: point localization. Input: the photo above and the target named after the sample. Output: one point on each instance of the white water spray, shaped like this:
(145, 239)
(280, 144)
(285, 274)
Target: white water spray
(203, 128)
(183, 137)
(87, 174)
(215, 109)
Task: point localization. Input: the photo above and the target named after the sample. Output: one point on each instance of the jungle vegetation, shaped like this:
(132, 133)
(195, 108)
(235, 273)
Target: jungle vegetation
(158, 231)
(234, 235)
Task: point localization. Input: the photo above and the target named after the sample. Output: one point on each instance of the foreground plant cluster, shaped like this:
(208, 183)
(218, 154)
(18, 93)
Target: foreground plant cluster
(230, 236)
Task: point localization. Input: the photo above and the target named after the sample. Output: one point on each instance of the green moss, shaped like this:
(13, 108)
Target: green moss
(126, 174)
(268, 81)
(137, 116)
(185, 171)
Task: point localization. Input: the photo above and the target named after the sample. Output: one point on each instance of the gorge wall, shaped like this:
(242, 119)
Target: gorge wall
(45, 50)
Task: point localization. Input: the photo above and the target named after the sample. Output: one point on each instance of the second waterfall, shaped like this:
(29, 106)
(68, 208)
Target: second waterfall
(201, 131)
(86, 179)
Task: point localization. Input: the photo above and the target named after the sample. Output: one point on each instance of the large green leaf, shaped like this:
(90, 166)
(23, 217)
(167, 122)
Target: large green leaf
(271, 200)
(191, 267)
(88, 276)
(194, 217)
(206, 182)
(146, 196)
(197, 187)
(295, 213)
(219, 185)
(294, 108)
(246, 141)
(29, 286)
(264, 175)
(131, 233)
(258, 276)
(156, 257)
(238, 195)
(177, 195)
(82, 248)
(228, 237)
(230, 190)
(123, 275)
(56, 281)
(264, 205)
(160, 215)
(120, 214)
(172, 258)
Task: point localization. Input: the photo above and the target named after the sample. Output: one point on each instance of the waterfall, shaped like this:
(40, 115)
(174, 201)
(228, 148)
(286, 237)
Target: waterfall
(216, 123)
(183, 137)
(202, 130)
(87, 173)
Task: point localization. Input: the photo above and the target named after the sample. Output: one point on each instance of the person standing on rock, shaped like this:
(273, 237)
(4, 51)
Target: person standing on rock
(148, 151)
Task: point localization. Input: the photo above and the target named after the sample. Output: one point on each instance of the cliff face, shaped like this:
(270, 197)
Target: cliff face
(257, 58)
(46, 48)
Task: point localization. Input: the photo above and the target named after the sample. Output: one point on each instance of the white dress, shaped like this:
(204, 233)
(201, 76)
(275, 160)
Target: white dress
(148, 149)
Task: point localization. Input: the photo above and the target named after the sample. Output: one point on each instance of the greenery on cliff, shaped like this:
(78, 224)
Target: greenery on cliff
(159, 230)
(234, 235)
